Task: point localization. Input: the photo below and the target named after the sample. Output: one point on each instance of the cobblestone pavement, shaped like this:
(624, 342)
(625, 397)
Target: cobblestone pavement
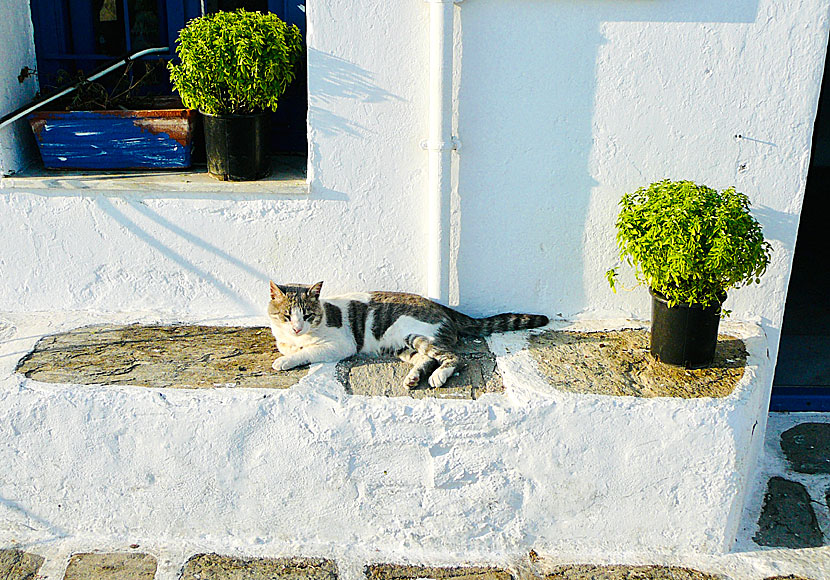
(796, 473)
(18, 565)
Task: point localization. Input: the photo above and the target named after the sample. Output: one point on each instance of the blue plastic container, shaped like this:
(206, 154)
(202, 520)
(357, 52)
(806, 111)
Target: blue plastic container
(118, 139)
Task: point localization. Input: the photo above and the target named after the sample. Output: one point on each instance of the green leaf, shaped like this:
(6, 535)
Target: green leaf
(689, 242)
(235, 62)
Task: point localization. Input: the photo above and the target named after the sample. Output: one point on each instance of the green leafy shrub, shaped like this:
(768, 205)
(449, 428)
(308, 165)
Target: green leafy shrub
(689, 242)
(235, 62)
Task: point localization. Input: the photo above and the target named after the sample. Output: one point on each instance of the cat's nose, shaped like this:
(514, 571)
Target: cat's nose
(297, 330)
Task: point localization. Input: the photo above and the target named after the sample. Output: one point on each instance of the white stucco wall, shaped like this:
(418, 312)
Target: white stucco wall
(17, 50)
(561, 108)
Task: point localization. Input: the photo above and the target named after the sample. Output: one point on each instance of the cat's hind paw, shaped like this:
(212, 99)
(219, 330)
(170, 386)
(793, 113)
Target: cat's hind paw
(412, 379)
(440, 376)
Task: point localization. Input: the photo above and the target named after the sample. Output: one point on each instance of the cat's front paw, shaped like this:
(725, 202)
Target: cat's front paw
(286, 348)
(285, 363)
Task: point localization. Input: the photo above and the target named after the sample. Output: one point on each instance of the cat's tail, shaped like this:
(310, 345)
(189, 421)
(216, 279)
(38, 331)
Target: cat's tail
(499, 323)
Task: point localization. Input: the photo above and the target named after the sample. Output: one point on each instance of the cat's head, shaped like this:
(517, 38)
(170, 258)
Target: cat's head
(296, 307)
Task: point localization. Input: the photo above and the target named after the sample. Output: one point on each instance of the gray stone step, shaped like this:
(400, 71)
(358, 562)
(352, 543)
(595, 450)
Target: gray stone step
(807, 447)
(619, 363)
(112, 566)
(216, 567)
(19, 565)
(787, 518)
(185, 356)
(591, 572)
(404, 572)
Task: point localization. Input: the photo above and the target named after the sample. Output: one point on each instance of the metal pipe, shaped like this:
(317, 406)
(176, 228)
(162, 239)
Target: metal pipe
(440, 145)
(26, 109)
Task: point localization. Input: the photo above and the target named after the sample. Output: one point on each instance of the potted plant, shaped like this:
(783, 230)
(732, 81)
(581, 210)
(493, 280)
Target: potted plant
(690, 244)
(234, 67)
(113, 126)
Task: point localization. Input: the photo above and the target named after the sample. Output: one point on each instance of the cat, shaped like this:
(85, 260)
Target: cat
(309, 329)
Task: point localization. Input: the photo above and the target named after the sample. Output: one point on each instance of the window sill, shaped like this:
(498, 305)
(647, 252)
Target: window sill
(288, 176)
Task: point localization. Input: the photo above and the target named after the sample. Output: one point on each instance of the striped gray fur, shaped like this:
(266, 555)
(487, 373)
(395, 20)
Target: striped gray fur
(297, 311)
(334, 316)
(387, 307)
(357, 321)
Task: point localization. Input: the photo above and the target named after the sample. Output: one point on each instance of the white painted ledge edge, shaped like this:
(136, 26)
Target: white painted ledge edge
(313, 471)
(287, 177)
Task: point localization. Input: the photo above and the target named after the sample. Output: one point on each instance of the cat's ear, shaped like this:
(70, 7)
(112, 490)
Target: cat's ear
(276, 292)
(315, 290)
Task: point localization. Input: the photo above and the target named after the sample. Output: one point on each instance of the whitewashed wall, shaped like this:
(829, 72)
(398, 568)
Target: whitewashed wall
(561, 107)
(17, 50)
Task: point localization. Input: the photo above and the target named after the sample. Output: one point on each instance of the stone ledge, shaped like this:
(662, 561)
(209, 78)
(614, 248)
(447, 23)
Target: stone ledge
(590, 572)
(216, 567)
(177, 356)
(288, 177)
(19, 565)
(476, 375)
(114, 566)
(405, 572)
(618, 363)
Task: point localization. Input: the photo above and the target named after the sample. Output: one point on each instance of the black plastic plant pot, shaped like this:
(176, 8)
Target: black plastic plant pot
(683, 335)
(234, 145)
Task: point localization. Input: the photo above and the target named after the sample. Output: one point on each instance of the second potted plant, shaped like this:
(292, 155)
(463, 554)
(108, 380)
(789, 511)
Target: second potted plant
(234, 67)
(690, 244)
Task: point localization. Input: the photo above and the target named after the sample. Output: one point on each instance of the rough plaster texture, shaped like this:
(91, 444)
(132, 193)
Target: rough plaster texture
(311, 470)
(17, 50)
(580, 103)
(560, 108)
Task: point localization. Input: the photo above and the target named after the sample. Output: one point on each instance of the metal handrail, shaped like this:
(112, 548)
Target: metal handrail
(33, 106)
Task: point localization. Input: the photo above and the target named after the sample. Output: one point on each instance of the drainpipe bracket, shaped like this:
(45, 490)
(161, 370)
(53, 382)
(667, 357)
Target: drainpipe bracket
(453, 145)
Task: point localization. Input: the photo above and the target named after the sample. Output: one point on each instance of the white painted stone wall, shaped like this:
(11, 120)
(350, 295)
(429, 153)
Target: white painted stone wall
(17, 50)
(561, 108)
(311, 470)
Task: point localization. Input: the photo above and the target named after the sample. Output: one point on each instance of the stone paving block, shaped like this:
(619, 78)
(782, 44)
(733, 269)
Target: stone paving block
(383, 376)
(183, 356)
(787, 517)
(216, 567)
(115, 566)
(591, 572)
(618, 363)
(19, 565)
(404, 572)
(788, 577)
(807, 447)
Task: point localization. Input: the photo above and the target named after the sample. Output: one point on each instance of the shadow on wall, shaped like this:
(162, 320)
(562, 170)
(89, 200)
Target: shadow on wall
(338, 79)
(525, 121)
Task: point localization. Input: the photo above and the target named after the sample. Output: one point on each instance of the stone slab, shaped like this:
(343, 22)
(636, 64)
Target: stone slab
(19, 565)
(216, 567)
(383, 376)
(618, 363)
(114, 566)
(591, 572)
(178, 356)
(787, 517)
(807, 447)
(404, 572)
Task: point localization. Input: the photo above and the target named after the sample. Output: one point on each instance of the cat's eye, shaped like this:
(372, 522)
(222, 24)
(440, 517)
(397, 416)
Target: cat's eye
(307, 316)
